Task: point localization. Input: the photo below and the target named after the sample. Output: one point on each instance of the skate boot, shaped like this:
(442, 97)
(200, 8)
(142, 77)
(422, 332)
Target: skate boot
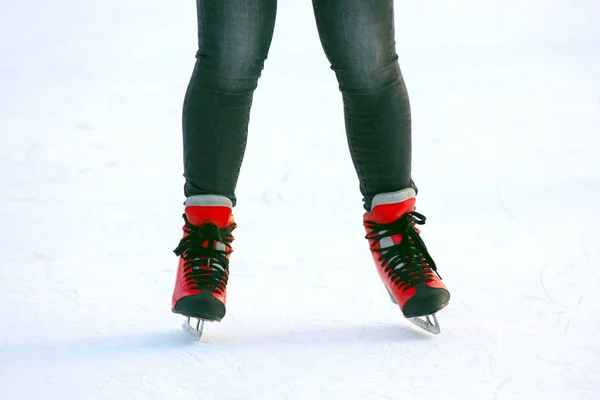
(402, 260)
(203, 269)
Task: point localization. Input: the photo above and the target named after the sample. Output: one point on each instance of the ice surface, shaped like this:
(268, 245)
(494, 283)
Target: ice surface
(506, 106)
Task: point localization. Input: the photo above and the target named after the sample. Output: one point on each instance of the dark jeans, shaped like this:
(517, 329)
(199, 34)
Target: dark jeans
(234, 38)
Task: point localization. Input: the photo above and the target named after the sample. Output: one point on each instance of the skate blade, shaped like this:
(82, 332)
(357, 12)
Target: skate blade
(428, 322)
(195, 330)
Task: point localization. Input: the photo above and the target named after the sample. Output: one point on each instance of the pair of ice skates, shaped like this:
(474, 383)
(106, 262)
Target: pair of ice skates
(401, 258)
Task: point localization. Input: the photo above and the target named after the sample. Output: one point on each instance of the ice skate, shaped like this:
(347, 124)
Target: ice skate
(203, 268)
(402, 260)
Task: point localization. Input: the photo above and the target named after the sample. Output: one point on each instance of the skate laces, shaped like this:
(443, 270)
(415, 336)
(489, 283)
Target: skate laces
(407, 263)
(204, 250)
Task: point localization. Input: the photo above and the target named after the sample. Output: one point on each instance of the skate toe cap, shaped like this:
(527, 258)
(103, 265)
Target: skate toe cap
(203, 305)
(426, 300)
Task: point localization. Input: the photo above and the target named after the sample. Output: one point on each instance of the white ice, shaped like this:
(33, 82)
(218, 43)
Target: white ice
(506, 104)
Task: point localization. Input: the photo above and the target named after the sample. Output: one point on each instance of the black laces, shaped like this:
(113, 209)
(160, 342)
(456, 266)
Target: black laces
(205, 265)
(408, 263)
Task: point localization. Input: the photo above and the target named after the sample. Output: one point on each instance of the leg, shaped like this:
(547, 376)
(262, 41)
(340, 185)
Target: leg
(358, 39)
(233, 38)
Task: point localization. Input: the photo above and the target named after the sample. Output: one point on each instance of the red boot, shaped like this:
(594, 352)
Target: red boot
(203, 270)
(402, 260)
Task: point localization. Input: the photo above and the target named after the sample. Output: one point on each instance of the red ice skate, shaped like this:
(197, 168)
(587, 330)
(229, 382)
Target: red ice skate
(402, 260)
(203, 269)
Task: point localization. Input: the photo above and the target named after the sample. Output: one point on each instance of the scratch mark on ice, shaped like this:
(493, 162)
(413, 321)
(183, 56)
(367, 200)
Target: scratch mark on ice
(542, 270)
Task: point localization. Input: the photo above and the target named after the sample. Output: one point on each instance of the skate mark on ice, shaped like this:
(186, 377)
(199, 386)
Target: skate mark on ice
(542, 271)
(567, 325)
(509, 213)
(503, 204)
(571, 293)
(500, 387)
(490, 357)
(364, 321)
(585, 269)
(238, 369)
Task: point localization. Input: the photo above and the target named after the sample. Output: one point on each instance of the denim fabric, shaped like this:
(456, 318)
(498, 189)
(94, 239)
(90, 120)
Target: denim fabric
(358, 39)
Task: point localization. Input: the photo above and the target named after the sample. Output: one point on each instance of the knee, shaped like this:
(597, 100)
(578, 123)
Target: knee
(368, 76)
(231, 67)
(366, 66)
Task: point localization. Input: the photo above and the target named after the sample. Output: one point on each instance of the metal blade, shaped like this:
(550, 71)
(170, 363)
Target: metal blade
(194, 331)
(429, 323)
